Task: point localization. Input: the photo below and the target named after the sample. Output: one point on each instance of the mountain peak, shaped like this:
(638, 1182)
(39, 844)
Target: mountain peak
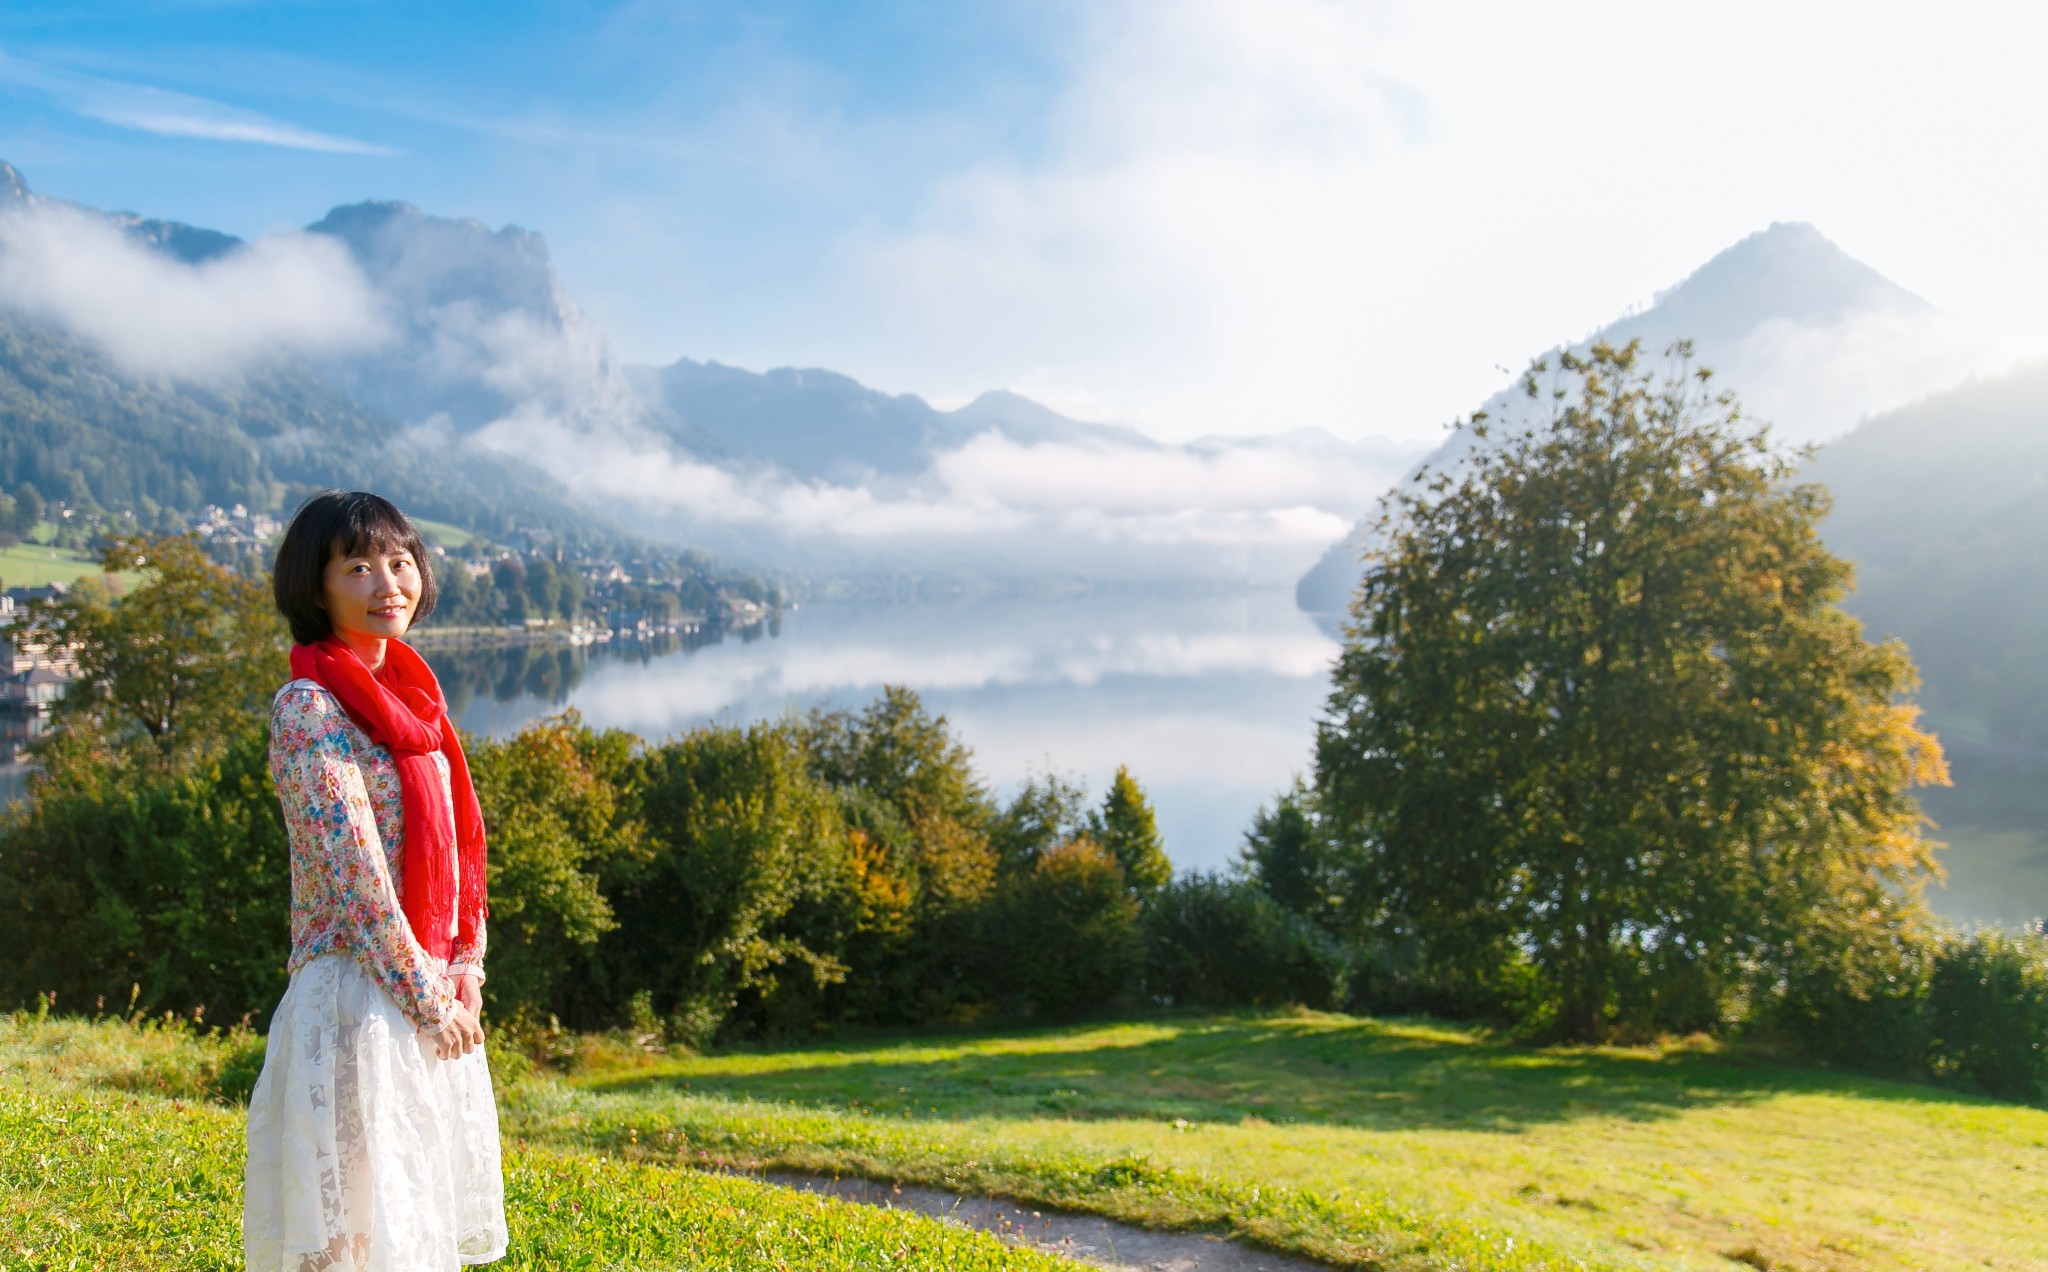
(379, 231)
(13, 186)
(1789, 270)
(1023, 420)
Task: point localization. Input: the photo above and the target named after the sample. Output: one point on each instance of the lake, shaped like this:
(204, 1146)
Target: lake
(1211, 701)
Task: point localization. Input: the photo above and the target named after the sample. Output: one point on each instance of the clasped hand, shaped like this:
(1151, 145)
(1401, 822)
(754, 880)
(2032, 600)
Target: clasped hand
(462, 1034)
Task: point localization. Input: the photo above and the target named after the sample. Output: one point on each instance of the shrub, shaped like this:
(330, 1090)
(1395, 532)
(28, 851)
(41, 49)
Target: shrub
(745, 881)
(174, 885)
(553, 798)
(1068, 930)
(1970, 1007)
(1217, 942)
(1987, 1011)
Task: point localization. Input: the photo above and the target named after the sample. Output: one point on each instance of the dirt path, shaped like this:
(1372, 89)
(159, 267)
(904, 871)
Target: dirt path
(1085, 1237)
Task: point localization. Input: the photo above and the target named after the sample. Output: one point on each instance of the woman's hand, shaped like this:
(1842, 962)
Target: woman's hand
(469, 992)
(460, 1036)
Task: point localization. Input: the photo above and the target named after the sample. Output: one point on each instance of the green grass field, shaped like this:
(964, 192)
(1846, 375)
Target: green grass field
(33, 565)
(1398, 1144)
(1382, 1143)
(449, 537)
(116, 1151)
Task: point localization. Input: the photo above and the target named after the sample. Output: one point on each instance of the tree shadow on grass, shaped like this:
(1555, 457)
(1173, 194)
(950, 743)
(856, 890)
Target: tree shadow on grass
(1335, 1071)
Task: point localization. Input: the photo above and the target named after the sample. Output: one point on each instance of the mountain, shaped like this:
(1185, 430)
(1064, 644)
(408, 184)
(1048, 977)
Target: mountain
(811, 422)
(485, 328)
(1811, 339)
(821, 424)
(1943, 506)
(386, 345)
(79, 426)
(1028, 423)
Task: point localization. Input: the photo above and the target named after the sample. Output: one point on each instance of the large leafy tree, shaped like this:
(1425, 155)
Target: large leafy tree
(181, 663)
(556, 803)
(923, 860)
(1600, 729)
(742, 882)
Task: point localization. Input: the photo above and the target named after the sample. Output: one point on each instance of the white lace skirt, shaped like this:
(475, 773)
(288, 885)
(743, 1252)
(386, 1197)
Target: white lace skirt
(367, 1153)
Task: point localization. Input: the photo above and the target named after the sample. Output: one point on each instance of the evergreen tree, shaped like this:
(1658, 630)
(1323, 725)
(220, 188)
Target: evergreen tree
(1287, 856)
(1126, 827)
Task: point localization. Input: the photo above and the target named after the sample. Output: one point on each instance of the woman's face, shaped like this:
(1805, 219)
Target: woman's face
(372, 594)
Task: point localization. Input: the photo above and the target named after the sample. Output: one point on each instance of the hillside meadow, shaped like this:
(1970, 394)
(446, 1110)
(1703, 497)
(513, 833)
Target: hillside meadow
(121, 1147)
(1372, 1143)
(1365, 1143)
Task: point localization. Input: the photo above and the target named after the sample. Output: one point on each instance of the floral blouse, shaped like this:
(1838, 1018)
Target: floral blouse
(346, 823)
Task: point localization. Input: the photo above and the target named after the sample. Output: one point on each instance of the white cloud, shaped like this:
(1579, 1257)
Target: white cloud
(168, 113)
(1814, 383)
(1281, 502)
(947, 660)
(282, 294)
(1250, 215)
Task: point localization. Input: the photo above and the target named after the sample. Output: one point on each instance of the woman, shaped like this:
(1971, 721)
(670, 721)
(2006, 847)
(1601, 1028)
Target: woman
(373, 1139)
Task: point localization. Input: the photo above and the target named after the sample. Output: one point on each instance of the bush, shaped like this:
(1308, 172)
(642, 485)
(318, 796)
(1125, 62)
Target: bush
(1987, 1012)
(744, 886)
(1211, 941)
(1068, 930)
(1969, 1007)
(173, 886)
(552, 798)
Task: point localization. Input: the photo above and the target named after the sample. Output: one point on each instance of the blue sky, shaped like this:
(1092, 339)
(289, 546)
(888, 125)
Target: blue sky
(1204, 215)
(732, 128)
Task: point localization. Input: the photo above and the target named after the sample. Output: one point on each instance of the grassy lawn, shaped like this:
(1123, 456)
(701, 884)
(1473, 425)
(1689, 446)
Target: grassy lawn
(1370, 1142)
(33, 565)
(1367, 1143)
(449, 537)
(112, 1155)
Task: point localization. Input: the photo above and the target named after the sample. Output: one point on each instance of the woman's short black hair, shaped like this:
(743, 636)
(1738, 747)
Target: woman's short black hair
(338, 523)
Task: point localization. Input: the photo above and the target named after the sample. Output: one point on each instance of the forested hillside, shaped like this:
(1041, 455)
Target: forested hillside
(1943, 506)
(80, 429)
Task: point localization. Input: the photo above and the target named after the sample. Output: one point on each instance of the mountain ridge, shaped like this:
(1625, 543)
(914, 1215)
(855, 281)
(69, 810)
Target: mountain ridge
(1768, 286)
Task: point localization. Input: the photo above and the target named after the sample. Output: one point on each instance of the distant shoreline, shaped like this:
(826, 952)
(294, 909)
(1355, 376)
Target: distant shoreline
(497, 637)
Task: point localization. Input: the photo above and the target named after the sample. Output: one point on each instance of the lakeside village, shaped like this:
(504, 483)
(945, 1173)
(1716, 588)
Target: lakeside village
(531, 591)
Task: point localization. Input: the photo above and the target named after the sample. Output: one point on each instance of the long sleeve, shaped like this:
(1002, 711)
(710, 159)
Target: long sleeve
(341, 880)
(469, 954)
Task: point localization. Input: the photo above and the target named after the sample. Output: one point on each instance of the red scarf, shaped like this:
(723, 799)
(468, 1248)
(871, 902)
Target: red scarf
(402, 709)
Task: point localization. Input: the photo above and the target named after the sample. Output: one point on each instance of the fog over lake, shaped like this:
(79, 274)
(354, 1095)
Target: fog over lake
(1211, 701)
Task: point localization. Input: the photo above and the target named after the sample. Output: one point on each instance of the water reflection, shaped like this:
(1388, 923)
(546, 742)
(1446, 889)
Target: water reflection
(1995, 822)
(17, 730)
(1210, 701)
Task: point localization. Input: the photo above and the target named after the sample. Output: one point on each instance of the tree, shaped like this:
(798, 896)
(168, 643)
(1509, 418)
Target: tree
(926, 868)
(173, 884)
(29, 505)
(1126, 827)
(740, 838)
(552, 800)
(188, 655)
(1047, 811)
(1287, 856)
(1068, 929)
(1600, 718)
